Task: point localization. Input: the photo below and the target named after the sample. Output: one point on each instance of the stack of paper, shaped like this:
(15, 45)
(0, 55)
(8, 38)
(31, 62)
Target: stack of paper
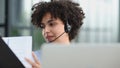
(22, 47)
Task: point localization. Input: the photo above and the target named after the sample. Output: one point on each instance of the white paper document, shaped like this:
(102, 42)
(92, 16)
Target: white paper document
(22, 47)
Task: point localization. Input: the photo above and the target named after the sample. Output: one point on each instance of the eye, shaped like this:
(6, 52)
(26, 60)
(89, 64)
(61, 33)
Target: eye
(52, 24)
(42, 26)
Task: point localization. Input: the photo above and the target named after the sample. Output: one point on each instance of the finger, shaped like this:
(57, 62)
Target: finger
(35, 58)
(30, 62)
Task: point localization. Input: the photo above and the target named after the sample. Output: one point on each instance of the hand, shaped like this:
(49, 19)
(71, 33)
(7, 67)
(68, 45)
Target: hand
(35, 64)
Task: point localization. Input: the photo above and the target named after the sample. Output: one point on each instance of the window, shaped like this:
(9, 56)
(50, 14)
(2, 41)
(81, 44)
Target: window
(101, 22)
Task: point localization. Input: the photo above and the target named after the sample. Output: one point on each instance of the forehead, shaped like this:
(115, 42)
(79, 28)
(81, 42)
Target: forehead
(46, 17)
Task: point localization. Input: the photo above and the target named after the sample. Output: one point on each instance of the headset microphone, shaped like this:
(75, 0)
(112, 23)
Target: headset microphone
(57, 37)
(67, 29)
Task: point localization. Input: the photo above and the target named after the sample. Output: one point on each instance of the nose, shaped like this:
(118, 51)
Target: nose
(46, 29)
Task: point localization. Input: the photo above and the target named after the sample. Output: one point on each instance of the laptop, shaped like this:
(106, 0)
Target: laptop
(81, 56)
(7, 58)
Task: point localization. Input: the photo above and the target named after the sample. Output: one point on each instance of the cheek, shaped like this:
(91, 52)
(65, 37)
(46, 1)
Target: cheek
(59, 29)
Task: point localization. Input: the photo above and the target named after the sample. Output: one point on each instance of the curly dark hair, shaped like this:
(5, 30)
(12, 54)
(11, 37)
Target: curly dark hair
(67, 11)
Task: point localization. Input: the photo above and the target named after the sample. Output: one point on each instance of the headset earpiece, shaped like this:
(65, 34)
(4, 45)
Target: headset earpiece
(67, 27)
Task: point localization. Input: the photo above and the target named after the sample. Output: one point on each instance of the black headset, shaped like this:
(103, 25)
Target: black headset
(67, 27)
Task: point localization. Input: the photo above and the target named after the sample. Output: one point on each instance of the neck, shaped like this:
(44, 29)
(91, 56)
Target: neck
(63, 41)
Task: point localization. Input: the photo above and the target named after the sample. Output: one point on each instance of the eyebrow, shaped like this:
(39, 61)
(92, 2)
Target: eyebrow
(50, 20)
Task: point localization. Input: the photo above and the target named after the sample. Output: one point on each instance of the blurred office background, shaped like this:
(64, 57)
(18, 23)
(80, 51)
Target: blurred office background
(101, 25)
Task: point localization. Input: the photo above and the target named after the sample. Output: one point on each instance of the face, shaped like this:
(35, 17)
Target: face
(52, 28)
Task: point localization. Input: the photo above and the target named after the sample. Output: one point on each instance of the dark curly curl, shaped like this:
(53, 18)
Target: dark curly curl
(67, 11)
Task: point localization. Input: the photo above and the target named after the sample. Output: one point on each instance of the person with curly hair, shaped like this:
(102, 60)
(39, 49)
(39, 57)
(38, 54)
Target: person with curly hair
(60, 22)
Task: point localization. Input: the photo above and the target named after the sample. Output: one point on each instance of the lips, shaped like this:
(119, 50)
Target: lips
(49, 38)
